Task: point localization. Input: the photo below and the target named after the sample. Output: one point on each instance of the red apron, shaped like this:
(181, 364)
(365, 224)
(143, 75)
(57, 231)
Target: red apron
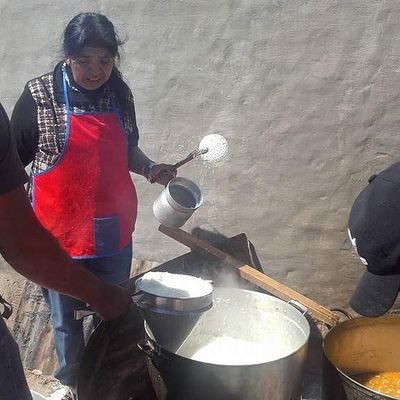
(87, 200)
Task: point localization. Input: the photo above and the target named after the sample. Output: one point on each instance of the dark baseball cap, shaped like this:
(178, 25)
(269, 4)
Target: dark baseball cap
(374, 230)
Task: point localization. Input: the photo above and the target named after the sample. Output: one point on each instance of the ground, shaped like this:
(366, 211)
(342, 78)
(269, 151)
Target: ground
(40, 383)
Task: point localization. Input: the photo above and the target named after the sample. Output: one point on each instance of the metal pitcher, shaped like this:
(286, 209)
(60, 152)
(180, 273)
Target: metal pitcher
(177, 202)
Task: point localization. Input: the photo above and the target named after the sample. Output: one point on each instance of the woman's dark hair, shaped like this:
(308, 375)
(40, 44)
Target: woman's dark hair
(96, 30)
(93, 30)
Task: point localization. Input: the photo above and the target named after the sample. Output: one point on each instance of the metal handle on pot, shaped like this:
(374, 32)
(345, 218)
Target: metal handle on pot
(344, 312)
(298, 306)
(157, 358)
(146, 349)
(82, 313)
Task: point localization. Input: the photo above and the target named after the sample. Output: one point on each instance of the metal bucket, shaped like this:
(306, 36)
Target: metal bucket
(177, 202)
(247, 317)
(363, 345)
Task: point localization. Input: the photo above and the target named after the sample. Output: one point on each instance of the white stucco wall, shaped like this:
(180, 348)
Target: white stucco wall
(305, 91)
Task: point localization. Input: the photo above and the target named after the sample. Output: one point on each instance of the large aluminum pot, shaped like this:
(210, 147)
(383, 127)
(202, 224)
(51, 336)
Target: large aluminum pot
(269, 337)
(177, 202)
(363, 345)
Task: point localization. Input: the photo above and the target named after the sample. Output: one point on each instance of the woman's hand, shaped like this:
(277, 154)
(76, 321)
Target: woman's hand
(161, 173)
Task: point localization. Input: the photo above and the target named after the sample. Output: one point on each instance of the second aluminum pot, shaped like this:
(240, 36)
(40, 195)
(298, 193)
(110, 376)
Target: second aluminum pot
(363, 345)
(254, 318)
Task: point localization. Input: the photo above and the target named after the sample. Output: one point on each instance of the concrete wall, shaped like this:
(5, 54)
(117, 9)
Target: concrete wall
(305, 91)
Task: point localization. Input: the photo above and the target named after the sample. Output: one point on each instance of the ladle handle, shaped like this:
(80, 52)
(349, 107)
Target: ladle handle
(184, 161)
(146, 349)
(190, 157)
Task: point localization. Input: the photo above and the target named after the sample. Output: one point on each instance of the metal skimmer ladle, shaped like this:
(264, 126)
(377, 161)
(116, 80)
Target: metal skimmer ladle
(212, 147)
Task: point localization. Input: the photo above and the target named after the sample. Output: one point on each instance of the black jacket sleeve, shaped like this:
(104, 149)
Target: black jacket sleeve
(12, 173)
(133, 137)
(25, 127)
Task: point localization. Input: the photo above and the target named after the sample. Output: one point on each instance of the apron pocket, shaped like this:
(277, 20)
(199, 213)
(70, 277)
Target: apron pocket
(106, 231)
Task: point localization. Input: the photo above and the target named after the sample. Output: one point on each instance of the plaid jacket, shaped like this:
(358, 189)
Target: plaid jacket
(52, 118)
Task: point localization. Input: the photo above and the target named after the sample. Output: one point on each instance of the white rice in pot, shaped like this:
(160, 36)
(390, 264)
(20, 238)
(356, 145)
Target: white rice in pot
(166, 284)
(226, 350)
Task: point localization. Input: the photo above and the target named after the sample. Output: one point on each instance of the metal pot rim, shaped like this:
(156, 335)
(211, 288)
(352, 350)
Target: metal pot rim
(180, 181)
(365, 388)
(160, 351)
(175, 305)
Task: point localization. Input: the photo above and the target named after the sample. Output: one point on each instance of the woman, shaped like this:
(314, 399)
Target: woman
(78, 126)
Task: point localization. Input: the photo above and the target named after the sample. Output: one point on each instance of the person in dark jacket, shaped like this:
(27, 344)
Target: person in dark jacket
(77, 126)
(34, 253)
(375, 235)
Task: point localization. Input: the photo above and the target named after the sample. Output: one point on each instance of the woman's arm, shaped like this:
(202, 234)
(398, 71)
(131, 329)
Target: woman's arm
(153, 172)
(138, 161)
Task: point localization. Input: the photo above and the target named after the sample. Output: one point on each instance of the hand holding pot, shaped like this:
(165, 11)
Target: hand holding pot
(113, 301)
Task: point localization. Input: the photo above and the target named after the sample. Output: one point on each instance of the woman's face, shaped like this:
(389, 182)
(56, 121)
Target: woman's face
(92, 67)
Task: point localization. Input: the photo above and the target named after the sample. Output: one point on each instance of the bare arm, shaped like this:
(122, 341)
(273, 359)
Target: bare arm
(35, 254)
(140, 164)
(138, 161)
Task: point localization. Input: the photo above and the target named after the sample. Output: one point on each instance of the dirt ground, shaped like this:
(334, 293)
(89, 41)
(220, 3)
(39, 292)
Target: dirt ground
(40, 383)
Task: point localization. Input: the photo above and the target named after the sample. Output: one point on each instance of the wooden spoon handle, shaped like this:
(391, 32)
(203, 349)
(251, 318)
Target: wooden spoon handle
(252, 275)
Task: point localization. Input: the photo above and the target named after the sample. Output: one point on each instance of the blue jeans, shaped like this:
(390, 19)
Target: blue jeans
(13, 384)
(68, 332)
